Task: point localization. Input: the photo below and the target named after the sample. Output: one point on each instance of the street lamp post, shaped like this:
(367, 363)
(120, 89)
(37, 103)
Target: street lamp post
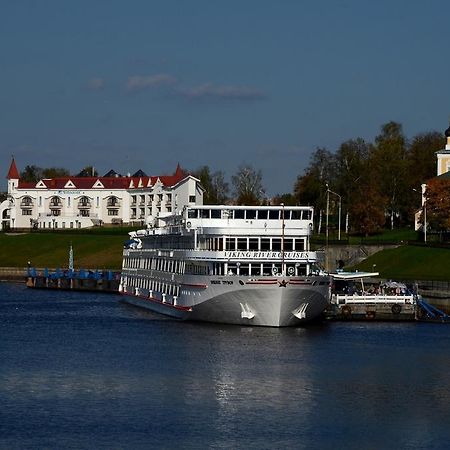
(425, 220)
(424, 209)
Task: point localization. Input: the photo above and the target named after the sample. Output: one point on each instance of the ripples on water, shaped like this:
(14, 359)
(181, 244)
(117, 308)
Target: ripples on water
(85, 371)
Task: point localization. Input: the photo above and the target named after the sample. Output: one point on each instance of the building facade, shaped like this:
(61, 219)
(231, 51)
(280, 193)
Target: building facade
(443, 171)
(80, 202)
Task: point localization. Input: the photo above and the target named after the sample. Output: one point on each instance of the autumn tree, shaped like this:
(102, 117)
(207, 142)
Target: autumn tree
(34, 173)
(438, 204)
(219, 188)
(351, 166)
(389, 167)
(31, 174)
(215, 186)
(310, 188)
(367, 209)
(248, 188)
(421, 166)
(88, 171)
(55, 172)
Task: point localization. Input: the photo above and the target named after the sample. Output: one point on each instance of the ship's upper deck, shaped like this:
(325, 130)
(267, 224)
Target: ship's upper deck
(292, 220)
(235, 221)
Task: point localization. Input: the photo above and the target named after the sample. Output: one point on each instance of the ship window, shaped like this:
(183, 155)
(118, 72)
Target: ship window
(299, 244)
(274, 214)
(204, 213)
(250, 214)
(242, 244)
(307, 215)
(286, 214)
(267, 269)
(192, 213)
(276, 244)
(288, 245)
(253, 244)
(215, 214)
(231, 244)
(265, 244)
(263, 214)
(244, 269)
(239, 213)
(296, 215)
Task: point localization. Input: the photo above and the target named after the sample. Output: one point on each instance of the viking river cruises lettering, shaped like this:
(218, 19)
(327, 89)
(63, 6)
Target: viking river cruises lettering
(265, 255)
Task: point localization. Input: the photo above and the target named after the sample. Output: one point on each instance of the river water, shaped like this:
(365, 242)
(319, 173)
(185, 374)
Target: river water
(85, 371)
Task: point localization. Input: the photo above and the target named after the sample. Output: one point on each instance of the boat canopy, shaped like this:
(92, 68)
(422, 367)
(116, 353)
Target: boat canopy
(353, 275)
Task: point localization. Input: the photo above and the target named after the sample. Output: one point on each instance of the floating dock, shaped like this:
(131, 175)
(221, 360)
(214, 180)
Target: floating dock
(81, 280)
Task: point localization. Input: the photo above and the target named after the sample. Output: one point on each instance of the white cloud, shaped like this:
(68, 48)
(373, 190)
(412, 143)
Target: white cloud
(96, 84)
(138, 82)
(210, 91)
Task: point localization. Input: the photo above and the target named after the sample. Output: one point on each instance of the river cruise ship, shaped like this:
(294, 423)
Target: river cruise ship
(247, 265)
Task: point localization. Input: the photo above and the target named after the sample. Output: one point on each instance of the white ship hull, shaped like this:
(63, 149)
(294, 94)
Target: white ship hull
(243, 265)
(273, 302)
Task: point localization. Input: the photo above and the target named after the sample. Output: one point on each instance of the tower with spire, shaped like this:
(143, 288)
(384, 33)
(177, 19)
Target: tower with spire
(443, 156)
(13, 177)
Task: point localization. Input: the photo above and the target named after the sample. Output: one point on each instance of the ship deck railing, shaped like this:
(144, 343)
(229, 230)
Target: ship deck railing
(339, 299)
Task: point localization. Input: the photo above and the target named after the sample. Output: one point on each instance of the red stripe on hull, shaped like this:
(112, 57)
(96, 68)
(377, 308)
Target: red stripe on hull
(155, 300)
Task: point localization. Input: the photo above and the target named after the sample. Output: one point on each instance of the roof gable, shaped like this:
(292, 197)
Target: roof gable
(13, 173)
(41, 185)
(98, 185)
(69, 185)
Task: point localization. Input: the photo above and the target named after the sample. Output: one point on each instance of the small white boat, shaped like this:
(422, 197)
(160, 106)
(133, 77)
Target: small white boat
(358, 295)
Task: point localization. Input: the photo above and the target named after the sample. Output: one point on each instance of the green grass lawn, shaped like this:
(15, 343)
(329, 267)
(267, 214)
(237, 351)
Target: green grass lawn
(410, 263)
(99, 250)
(95, 250)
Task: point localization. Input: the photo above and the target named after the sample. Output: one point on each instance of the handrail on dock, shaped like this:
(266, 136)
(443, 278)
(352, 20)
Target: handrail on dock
(339, 299)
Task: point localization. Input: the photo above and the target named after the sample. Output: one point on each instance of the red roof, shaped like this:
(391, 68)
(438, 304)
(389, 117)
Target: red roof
(107, 182)
(13, 173)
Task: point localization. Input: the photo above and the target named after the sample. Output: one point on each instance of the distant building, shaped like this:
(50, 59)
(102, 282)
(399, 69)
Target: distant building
(80, 202)
(442, 171)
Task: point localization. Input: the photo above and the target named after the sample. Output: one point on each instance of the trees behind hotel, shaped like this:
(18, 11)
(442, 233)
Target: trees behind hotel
(34, 173)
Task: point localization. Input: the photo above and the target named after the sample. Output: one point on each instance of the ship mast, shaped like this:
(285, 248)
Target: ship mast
(283, 269)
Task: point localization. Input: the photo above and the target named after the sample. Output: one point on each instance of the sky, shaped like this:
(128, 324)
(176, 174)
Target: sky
(147, 84)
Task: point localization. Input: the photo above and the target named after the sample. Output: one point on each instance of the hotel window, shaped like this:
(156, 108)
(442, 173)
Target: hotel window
(68, 202)
(113, 212)
(40, 201)
(98, 201)
(192, 199)
(26, 212)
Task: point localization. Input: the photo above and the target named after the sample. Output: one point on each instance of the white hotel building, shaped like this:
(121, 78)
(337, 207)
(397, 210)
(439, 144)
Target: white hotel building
(80, 202)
